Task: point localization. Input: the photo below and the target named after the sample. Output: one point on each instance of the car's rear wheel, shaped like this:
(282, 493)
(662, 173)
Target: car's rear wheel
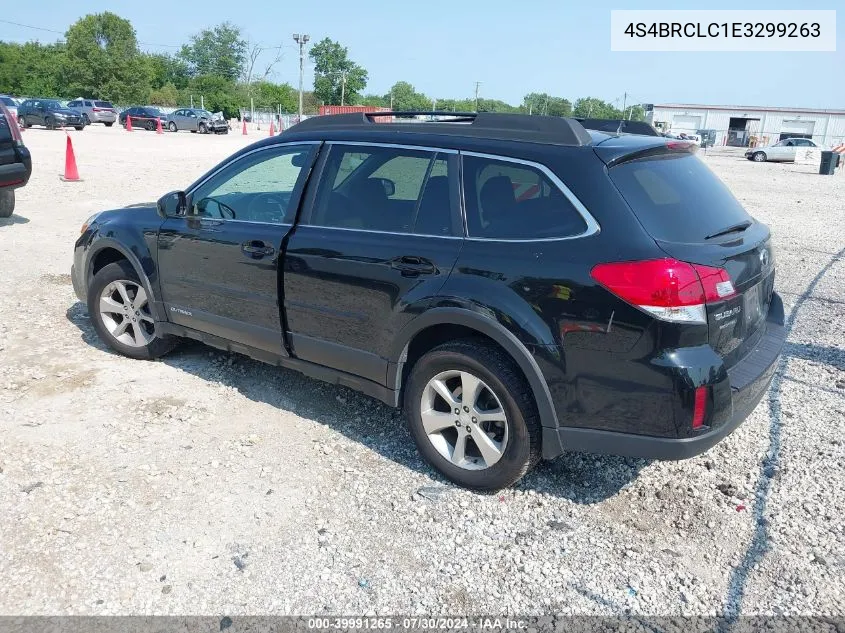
(107, 124)
(80, 127)
(49, 123)
(759, 157)
(7, 202)
(172, 126)
(150, 126)
(121, 312)
(24, 123)
(473, 415)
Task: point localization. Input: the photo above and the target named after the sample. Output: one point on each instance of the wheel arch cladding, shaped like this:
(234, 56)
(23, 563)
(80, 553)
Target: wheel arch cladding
(108, 252)
(443, 324)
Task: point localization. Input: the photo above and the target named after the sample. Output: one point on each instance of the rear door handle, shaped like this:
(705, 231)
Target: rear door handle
(257, 249)
(412, 266)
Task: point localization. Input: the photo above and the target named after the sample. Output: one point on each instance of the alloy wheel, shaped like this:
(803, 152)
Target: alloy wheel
(464, 420)
(125, 312)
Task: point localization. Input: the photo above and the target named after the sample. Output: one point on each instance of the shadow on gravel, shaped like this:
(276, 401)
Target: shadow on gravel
(14, 219)
(833, 356)
(585, 479)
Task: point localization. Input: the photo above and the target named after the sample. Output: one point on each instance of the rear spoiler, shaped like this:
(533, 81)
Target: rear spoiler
(619, 126)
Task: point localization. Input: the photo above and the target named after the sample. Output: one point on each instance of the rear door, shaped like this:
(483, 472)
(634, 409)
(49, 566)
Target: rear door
(219, 263)
(381, 232)
(695, 218)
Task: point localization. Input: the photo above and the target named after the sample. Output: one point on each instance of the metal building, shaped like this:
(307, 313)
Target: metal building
(743, 126)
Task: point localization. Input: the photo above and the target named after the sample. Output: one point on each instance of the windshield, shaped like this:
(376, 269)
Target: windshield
(204, 113)
(52, 105)
(8, 101)
(677, 198)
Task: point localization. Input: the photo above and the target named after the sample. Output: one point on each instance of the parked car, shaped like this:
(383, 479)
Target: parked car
(94, 111)
(15, 161)
(782, 151)
(197, 120)
(10, 103)
(520, 285)
(49, 113)
(143, 116)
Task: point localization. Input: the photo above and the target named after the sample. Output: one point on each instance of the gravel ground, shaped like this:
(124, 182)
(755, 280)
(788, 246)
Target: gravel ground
(210, 483)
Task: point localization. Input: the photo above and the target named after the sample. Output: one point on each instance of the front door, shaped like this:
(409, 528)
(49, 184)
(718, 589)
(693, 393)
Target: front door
(219, 261)
(380, 234)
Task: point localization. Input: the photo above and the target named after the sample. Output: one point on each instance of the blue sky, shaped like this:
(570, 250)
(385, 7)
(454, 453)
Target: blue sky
(444, 46)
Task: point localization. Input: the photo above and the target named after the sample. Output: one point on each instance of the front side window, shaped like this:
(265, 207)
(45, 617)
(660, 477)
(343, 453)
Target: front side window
(386, 189)
(256, 188)
(507, 200)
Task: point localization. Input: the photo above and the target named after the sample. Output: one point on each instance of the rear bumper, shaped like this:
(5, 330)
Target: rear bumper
(749, 381)
(102, 117)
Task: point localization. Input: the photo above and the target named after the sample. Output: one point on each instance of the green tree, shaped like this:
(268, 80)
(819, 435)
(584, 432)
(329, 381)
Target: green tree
(165, 69)
(220, 51)
(404, 97)
(31, 69)
(591, 107)
(375, 101)
(217, 93)
(268, 96)
(102, 60)
(337, 79)
(542, 103)
(167, 95)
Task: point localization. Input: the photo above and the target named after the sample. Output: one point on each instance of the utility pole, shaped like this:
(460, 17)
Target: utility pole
(302, 40)
(477, 84)
(624, 102)
(391, 99)
(342, 86)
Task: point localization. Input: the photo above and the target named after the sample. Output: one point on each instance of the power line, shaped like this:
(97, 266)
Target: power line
(40, 28)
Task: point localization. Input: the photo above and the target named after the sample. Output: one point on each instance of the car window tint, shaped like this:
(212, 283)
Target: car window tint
(384, 189)
(73, 104)
(103, 104)
(506, 200)
(256, 188)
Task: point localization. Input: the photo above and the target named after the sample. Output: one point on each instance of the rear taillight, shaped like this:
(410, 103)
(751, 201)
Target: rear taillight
(96, 109)
(699, 409)
(668, 289)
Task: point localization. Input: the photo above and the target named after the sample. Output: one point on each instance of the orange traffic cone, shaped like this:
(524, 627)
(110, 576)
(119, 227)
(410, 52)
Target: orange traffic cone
(128, 123)
(272, 129)
(244, 132)
(158, 127)
(71, 172)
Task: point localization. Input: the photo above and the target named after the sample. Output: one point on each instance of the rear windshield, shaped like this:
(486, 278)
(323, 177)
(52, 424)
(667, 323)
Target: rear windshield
(677, 198)
(103, 104)
(8, 101)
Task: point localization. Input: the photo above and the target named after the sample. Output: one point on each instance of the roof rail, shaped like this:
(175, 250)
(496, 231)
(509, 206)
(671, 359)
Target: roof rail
(521, 127)
(618, 126)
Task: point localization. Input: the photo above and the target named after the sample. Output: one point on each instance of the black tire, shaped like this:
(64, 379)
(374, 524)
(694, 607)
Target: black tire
(172, 126)
(7, 202)
(149, 126)
(109, 124)
(24, 123)
(122, 270)
(86, 120)
(502, 376)
(202, 129)
(759, 157)
(80, 127)
(49, 123)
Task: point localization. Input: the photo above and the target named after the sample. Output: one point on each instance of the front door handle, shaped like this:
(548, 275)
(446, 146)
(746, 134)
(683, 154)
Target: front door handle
(257, 249)
(413, 266)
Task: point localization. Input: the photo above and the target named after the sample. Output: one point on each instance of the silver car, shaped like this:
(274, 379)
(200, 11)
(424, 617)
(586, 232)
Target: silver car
(94, 111)
(782, 151)
(196, 120)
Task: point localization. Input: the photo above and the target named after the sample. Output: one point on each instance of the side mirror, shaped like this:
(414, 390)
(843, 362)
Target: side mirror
(171, 204)
(389, 186)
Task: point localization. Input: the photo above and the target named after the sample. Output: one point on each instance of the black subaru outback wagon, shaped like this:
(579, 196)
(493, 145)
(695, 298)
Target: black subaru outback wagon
(520, 285)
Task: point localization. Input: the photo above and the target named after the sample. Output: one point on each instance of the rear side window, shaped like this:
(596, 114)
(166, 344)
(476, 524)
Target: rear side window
(677, 198)
(385, 189)
(74, 104)
(508, 200)
(7, 101)
(103, 104)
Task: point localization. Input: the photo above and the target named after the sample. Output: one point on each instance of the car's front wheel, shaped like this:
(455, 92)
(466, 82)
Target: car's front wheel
(121, 312)
(7, 202)
(759, 157)
(86, 120)
(473, 415)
